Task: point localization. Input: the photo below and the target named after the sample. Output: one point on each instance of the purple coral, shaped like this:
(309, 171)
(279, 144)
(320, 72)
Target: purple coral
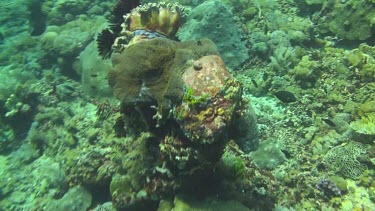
(328, 188)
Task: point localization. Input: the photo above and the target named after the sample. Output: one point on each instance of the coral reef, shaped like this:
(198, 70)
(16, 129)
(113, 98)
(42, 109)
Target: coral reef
(364, 129)
(182, 133)
(63, 44)
(363, 60)
(184, 95)
(143, 178)
(177, 98)
(185, 203)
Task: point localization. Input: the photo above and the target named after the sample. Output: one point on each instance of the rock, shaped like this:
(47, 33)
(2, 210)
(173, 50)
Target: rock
(76, 199)
(214, 20)
(351, 20)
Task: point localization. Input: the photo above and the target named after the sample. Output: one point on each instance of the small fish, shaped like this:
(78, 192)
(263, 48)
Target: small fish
(329, 122)
(311, 34)
(265, 76)
(255, 83)
(94, 75)
(285, 96)
(2, 37)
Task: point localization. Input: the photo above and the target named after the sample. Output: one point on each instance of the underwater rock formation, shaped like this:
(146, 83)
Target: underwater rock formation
(178, 98)
(352, 20)
(183, 95)
(214, 20)
(181, 87)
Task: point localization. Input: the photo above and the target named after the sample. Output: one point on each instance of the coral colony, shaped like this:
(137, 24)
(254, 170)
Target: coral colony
(151, 75)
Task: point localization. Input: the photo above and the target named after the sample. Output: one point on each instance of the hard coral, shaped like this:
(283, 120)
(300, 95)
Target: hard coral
(343, 159)
(352, 20)
(214, 20)
(180, 93)
(364, 126)
(269, 154)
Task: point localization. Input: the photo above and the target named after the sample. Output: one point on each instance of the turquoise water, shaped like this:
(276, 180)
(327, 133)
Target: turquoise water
(195, 105)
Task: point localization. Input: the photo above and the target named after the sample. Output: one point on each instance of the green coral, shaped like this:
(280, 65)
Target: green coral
(193, 100)
(269, 155)
(343, 159)
(13, 78)
(314, 2)
(306, 71)
(366, 125)
(353, 20)
(367, 108)
(231, 164)
(6, 136)
(362, 60)
(323, 142)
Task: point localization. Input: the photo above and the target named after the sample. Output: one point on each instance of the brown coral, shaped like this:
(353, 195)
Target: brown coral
(149, 73)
